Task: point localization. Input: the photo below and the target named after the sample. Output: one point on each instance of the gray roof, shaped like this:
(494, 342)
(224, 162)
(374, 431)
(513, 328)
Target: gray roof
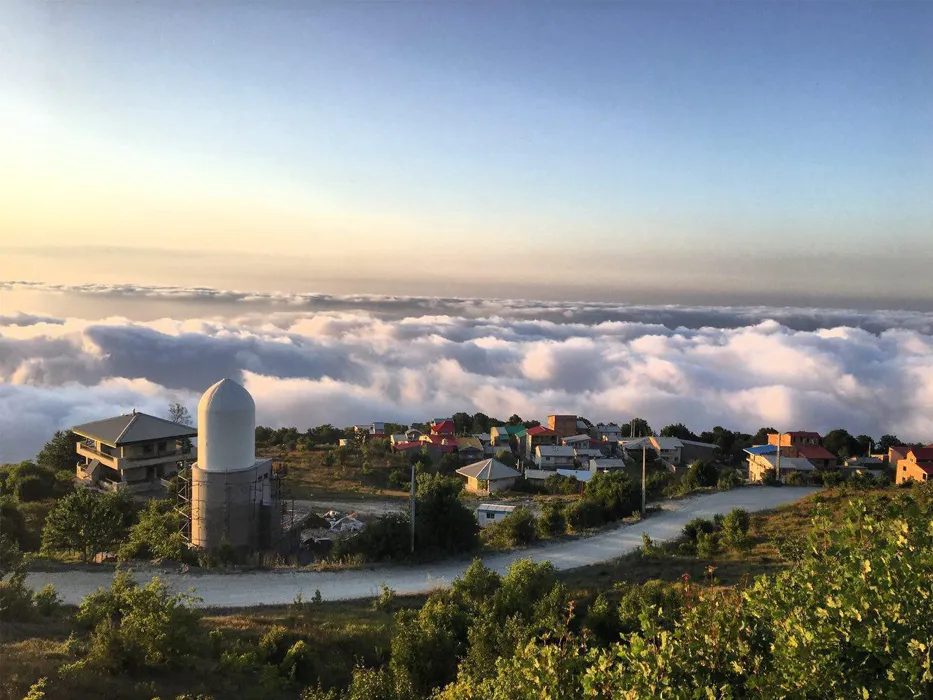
(496, 508)
(555, 450)
(132, 428)
(488, 470)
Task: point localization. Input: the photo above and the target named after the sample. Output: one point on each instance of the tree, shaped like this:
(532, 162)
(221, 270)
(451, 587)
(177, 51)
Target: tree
(614, 492)
(27, 481)
(841, 444)
(887, 442)
(865, 443)
(700, 474)
(443, 525)
(178, 414)
(761, 437)
(480, 423)
(517, 529)
(83, 521)
(514, 419)
(462, 422)
(449, 464)
(507, 458)
(678, 430)
(59, 453)
(637, 427)
(157, 535)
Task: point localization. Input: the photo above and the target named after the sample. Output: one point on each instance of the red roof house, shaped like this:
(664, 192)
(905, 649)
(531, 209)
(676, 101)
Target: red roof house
(444, 427)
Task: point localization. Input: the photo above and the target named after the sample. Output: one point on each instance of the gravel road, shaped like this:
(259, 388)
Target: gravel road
(236, 590)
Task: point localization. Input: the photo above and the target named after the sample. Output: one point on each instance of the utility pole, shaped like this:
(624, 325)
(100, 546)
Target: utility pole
(643, 511)
(413, 464)
(778, 475)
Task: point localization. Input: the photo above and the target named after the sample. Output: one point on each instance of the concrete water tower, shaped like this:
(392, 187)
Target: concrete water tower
(234, 497)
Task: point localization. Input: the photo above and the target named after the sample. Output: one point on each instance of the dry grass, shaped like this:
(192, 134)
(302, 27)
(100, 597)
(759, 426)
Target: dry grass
(308, 476)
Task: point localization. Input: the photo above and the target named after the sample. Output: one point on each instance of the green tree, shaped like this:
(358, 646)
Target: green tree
(449, 464)
(156, 535)
(841, 444)
(761, 437)
(678, 430)
(865, 443)
(614, 492)
(887, 442)
(85, 522)
(443, 525)
(136, 626)
(701, 474)
(517, 529)
(507, 458)
(552, 522)
(514, 419)
(637, 427)
(59, 453)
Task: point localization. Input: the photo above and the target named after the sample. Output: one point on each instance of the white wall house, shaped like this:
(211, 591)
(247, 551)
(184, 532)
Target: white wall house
(552, 457)
(489, 513)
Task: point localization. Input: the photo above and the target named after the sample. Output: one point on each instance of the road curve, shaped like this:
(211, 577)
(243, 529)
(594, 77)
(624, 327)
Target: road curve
(241, 590)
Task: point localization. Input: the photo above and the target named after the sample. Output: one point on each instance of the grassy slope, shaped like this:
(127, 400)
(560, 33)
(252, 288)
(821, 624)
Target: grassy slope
(343, 633)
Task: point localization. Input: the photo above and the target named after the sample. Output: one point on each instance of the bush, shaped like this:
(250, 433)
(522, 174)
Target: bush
(583, 515)
(796, 478)
(707, 545)
(87, 522)
(559, 485)
(769, 478)
(517, 529)
(386, 539)
(701, 474)
(46, 601)
(156, 536)
(551, 522)
(734, 530)
(729, 479)
(398, 479)
(657, 483)
(831, 478)
(662, 600)
(136, 627)
(386, 600)
(28, 482)
(863, 481)
(15, 598)
(615, 493)
(693, 528)
(444, 526)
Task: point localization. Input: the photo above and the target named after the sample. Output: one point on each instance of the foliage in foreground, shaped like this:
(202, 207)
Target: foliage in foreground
(852, 618)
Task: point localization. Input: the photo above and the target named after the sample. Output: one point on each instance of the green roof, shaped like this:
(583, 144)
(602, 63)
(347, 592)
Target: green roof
(515, 429)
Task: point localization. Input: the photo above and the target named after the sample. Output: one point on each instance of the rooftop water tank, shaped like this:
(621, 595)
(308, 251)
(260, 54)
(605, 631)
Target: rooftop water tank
(226, 428)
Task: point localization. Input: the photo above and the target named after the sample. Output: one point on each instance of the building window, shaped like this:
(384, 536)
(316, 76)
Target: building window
(147, 449)
(161, 446)
(490, 516)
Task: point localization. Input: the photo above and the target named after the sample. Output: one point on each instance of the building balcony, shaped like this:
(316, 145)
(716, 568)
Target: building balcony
(122, 463)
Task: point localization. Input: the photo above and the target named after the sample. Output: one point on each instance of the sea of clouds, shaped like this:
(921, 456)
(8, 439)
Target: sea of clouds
(315, 358)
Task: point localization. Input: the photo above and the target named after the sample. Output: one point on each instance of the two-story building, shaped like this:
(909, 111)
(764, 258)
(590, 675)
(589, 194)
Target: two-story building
(539, 436)
(610, 432)
(563, 425)
(916, 466)
(552, 457)
(133, 451)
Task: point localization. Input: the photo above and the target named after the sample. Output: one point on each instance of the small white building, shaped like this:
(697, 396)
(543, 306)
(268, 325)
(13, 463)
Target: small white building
(489, 513)
(550, 457)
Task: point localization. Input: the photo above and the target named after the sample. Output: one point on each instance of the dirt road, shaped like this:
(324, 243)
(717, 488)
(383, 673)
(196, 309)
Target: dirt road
(278, 587)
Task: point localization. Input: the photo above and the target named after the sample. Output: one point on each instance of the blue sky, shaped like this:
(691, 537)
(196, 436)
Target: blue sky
(632, 130)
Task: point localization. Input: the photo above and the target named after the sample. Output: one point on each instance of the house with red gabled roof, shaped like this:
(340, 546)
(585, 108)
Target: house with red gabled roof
(916, 466)
(817, 455)
(443, 426)
(537, 436)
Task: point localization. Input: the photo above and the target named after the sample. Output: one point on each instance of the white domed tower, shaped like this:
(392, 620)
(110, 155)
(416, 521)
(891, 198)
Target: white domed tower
(226, 428)
(233, 498)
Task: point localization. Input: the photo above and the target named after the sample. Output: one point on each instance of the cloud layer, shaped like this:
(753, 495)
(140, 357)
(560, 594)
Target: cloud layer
(311, 359)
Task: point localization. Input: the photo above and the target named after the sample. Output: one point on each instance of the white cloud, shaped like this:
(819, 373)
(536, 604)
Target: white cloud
(406, 359)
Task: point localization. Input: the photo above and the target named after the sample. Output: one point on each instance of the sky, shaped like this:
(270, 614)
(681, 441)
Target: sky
(647, 152)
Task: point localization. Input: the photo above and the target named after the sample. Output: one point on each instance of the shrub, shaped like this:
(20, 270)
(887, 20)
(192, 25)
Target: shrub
(729, 479)
(648, 547)
(698, 525)
(558, 484)
(602, 619)
(274, 644)
(615, 493)
(398, 479)
(795, 479)
(15, 598)
(46, 601)
(517, 529)
(657, 483)
(662, 600)
(388, 538)
(863, 481)
(157, 535)
(136, 627)
(551, 522)
(86, 522)
(769, 478)
(700, 474)
(386, 600)
(734, 531)
(583, 515)
(444, 525)
(707, 545)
